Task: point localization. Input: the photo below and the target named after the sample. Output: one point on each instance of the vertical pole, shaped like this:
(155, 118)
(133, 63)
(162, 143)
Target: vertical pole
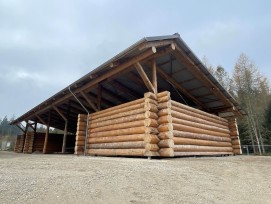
(24, 136)
(65, 136)
(47, 133)
(154, 76)
(99, 97)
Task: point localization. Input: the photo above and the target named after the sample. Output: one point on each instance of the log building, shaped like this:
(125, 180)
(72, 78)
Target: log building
(155, 98)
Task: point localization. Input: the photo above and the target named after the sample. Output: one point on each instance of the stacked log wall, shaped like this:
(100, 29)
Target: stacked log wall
(234, 133)
(54, 143)
(194, 132)
(80, 134)
(165, 127)
(18, 144)
(28, 144)
(129, 129)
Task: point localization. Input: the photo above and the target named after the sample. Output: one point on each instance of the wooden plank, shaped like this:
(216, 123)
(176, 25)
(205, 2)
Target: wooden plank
(144, 77)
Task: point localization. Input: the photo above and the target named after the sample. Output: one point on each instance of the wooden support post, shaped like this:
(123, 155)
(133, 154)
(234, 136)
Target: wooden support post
(99, 96)
(65, 129)
(154, 76)
(144, 77)
(24, 135)
(89, 101)
(47, 133)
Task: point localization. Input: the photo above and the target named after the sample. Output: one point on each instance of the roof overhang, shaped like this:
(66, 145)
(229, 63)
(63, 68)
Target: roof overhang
(179, 71)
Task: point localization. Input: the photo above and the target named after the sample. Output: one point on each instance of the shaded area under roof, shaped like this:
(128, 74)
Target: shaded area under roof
(179, 64)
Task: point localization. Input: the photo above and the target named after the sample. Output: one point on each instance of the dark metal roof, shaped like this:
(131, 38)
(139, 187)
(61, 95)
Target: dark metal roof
(127, 87)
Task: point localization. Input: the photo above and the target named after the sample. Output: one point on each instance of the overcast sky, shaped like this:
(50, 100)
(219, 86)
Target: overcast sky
(46, 45)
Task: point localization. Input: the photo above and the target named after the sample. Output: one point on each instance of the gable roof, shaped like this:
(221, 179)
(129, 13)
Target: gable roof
(181, 72)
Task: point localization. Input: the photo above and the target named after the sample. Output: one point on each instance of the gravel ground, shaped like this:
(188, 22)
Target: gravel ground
(37, 178)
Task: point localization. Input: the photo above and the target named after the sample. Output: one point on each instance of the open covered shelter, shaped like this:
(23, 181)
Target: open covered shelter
(189, 112)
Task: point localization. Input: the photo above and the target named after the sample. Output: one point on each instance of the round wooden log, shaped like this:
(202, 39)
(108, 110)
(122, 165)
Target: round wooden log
(82, 117)
(236, 146)
(195, 148)
(180, 105)
(149, 100)
(186, 128)
(150, 107)
(163, 112)
(151, 153)
(237, 151)
(117, 120)
(81, 128)
(150, 95)
(80, 138)
(117, 152)
(118, 145)
(188, 141)
(151, 147)
(79, 153)
(128, 131)
(235, 142)
(199, 125)
(165, 135)
(191, 135)
(131, 103)
(116, 111)
(152, 139)
(147, 123)
(183, 116)
(167, 143)
(162, 94)
(234, 133)
(166, 152)
(201, 153)
(165, 119)
(119, 115)
(81, 120)
(80, 143)
(233, 126)
(187, 112)
(123, 138)
(79, 148)
(163, 99)
(165, 127)
(164, 105)
(81, 133)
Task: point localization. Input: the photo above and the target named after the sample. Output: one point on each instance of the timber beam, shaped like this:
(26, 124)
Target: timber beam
(65, 128)
(113, 72)
(144, 77)
(92, 105)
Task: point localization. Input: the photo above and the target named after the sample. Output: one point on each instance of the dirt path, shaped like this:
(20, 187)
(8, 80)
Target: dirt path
(72, 179)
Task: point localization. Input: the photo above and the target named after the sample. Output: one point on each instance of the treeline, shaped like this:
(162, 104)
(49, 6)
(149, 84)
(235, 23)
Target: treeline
(11, 130)
(6, 129)
(252, 91)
